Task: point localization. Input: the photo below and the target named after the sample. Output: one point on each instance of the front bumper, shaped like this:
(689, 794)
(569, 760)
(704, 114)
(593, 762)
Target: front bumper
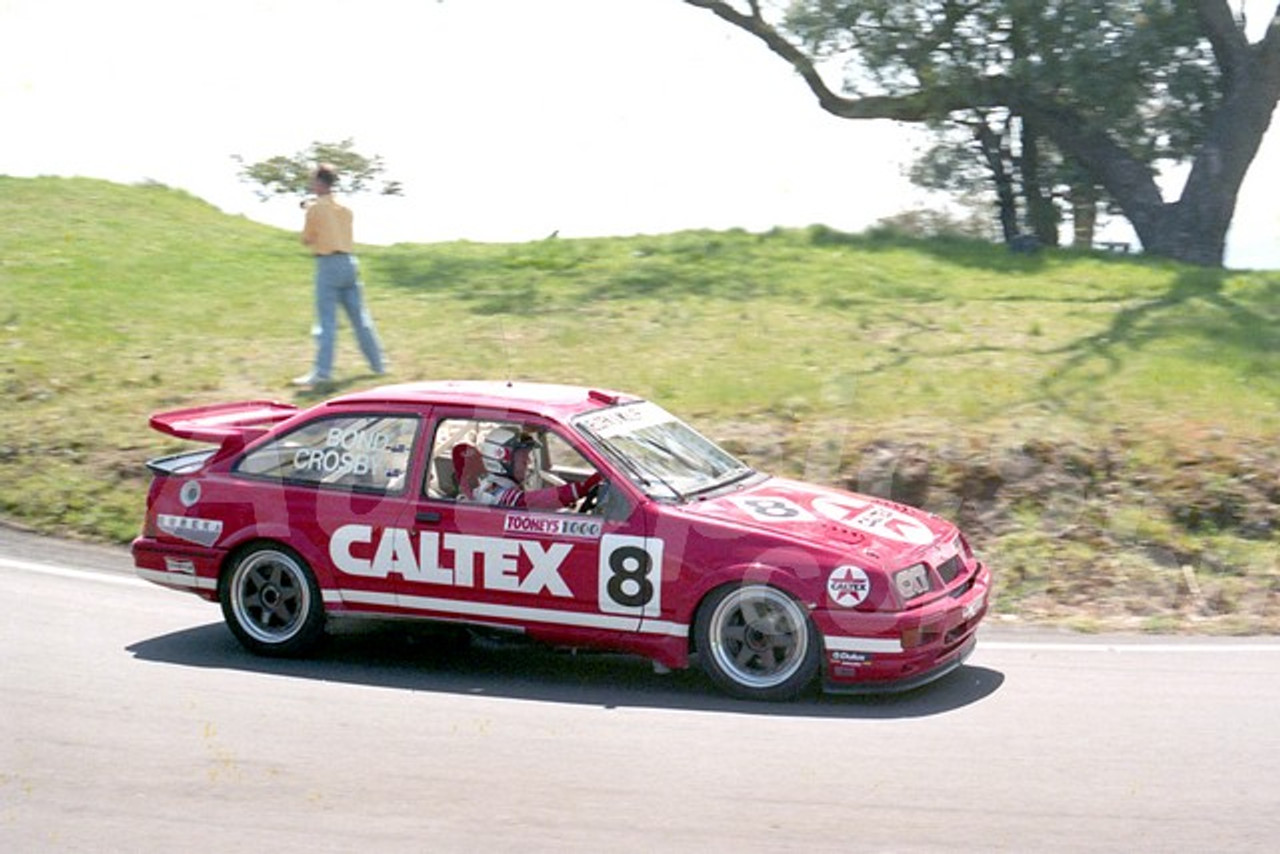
(896, 686)
(881, 653)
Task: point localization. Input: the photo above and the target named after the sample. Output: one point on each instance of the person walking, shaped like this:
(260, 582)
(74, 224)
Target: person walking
(328, 233)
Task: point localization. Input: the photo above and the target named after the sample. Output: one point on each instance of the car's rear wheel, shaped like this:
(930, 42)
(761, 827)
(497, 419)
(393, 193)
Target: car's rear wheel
(757, 642)
(271, 602)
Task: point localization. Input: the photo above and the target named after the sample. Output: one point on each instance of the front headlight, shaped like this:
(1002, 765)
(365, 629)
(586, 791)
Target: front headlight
(912, 581)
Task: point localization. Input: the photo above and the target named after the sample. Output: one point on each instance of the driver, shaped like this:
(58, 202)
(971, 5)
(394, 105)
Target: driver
(505, 452)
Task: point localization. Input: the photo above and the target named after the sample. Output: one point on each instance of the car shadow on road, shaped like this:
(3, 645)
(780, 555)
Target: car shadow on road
(383, 657)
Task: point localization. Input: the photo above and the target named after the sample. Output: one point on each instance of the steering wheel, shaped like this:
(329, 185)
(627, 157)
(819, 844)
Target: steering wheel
(594, 496)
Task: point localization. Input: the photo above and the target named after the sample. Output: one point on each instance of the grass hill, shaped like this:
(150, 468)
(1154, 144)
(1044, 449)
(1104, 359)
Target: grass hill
(1105, 427)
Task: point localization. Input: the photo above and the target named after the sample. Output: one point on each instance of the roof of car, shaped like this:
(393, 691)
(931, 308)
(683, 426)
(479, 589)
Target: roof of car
(543, 398)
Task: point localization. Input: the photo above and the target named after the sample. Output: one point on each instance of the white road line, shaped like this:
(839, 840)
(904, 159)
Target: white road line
(63, 572)
(1136, 645)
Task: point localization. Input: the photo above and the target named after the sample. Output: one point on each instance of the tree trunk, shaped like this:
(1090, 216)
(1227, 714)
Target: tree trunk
(1041, 214)
(993, 154)
(1084, 214)
(1194, 228)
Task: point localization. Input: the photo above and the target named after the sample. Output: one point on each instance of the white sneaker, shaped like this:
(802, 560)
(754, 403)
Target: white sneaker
(309, 380)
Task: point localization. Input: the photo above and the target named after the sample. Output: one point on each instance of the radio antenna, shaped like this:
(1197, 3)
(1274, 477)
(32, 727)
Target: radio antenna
(506, 349)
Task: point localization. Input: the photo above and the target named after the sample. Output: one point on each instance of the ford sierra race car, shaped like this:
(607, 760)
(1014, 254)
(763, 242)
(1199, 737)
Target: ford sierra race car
(658, 543)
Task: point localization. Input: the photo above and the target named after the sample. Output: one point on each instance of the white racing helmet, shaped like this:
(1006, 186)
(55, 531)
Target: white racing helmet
(498, 450)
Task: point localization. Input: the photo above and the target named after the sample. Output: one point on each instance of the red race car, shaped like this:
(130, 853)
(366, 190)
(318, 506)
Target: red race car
(578, 517)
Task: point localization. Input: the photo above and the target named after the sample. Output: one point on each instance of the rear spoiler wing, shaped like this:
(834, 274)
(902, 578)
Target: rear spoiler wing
(219, 422)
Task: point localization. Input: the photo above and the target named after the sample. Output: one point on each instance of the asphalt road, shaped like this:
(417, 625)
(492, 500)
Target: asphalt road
(131, 721)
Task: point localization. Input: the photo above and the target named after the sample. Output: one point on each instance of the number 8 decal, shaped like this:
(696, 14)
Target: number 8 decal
(630, 575)
(771, 508)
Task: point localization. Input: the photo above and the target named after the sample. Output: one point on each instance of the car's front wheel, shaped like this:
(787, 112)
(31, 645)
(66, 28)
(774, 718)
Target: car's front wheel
(757, 642)
(271, 602)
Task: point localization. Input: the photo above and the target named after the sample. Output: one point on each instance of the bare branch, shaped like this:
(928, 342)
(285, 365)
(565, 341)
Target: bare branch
(935, 103)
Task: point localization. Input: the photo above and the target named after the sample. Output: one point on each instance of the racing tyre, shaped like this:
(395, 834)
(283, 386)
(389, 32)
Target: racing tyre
(271, 602)
(756, 642)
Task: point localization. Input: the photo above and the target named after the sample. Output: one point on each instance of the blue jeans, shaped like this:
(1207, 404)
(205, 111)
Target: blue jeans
(338, 283)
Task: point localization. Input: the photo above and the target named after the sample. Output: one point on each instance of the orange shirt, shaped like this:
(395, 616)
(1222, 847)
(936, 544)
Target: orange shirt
(328, 227)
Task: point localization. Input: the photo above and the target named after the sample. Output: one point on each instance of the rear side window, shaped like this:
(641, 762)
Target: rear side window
(364, 452)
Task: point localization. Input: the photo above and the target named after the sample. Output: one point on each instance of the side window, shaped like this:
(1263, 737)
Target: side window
(455, 465)
(364, 452)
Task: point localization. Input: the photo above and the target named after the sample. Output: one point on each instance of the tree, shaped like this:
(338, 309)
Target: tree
(968, 156)
(281, 175)
(1117, 88)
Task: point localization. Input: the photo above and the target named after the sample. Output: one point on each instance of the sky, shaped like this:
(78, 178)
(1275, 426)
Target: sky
(505, 120)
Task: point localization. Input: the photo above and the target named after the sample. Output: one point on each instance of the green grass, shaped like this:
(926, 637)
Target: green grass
(1096, 421)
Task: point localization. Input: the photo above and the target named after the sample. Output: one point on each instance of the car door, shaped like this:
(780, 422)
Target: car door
(561, 572)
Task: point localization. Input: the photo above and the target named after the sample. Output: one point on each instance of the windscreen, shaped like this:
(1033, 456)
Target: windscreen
(661, 454)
